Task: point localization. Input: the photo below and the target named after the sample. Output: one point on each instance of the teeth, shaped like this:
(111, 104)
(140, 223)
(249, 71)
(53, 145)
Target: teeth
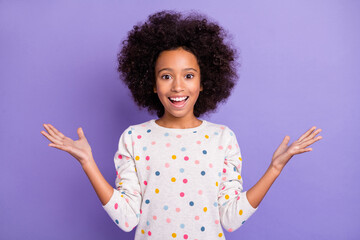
(178, 99)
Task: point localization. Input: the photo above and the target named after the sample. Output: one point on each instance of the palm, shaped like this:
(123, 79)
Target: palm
(79, 149)
(284, 152)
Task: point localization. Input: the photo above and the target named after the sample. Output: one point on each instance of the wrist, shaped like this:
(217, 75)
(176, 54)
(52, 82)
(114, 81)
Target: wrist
(88, 163)
(275, 170)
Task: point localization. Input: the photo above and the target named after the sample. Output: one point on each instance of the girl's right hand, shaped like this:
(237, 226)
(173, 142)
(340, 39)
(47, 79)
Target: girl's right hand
(79, 149)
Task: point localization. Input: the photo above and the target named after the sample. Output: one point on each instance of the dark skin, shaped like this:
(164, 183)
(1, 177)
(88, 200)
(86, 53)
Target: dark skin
(181, 78)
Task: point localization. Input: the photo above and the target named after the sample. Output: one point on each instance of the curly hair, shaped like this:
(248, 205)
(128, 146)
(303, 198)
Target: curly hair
(169, 30)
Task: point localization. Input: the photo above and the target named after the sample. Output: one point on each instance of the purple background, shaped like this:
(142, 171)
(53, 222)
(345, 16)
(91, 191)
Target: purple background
(300, 68)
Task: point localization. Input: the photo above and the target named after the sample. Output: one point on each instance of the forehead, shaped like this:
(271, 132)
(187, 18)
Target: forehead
(178, 58)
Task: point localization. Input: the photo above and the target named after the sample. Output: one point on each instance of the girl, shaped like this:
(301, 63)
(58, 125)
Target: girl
(178, 176)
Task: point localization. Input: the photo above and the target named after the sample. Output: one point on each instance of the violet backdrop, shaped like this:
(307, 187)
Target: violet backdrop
(300, 68)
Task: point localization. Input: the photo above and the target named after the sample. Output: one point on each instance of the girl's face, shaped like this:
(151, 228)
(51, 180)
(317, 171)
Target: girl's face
(177, 75)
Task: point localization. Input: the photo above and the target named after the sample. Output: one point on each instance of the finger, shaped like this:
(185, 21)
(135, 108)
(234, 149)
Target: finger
(305, 150)
(307, 133)
(51, 138)
(51, 132)
(57, 132)
(61, 147)
(80, 133)
(312, 135)
(311, 141)
(286, 140)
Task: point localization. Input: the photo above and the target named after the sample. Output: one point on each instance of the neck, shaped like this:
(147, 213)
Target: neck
(176, 122)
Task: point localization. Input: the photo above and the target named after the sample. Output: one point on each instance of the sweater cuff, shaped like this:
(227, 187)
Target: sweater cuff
(111, 203)
(251, 208)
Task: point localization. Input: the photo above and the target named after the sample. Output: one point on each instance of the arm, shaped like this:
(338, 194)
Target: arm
(81, 151)
(102, 188)
(121, 204)
(280, 158)
(258, 191)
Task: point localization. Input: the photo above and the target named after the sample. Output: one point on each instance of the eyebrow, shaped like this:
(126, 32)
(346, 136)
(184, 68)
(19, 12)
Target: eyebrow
(170, 69)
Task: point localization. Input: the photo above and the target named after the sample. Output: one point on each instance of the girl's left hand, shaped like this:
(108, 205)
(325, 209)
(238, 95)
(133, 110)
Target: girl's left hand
(284, 153)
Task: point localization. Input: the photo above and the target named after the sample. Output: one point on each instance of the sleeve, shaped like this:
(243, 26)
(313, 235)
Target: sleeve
(235, 208)
(124, 205)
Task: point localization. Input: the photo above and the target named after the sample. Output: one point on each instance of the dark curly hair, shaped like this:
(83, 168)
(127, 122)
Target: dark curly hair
(168, 30)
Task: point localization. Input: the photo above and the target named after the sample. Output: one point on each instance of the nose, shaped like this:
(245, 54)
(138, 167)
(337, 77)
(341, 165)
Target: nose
(177, 85)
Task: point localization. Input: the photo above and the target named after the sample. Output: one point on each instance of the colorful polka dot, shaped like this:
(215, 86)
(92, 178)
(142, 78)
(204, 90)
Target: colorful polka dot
(198, 153)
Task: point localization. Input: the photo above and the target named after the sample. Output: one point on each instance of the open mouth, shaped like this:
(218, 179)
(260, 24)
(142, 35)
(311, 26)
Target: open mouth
(179, 103)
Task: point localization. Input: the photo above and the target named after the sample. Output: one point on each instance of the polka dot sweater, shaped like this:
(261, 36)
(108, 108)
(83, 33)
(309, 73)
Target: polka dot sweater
(178, 183)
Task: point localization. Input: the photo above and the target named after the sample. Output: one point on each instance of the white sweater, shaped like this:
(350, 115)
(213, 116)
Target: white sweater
(178, 183)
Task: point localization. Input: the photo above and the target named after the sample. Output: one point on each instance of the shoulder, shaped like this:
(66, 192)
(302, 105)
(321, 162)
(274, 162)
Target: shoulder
(220, 129)
(138, 128)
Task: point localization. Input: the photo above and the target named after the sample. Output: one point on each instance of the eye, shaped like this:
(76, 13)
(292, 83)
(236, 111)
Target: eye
(189, 75)
(166, 76)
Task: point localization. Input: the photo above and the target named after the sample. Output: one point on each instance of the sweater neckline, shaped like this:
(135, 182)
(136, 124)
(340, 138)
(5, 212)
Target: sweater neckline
(194, 129)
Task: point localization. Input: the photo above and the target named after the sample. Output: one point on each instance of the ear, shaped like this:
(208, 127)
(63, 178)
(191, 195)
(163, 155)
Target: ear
(154, 88)
(201, 87)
